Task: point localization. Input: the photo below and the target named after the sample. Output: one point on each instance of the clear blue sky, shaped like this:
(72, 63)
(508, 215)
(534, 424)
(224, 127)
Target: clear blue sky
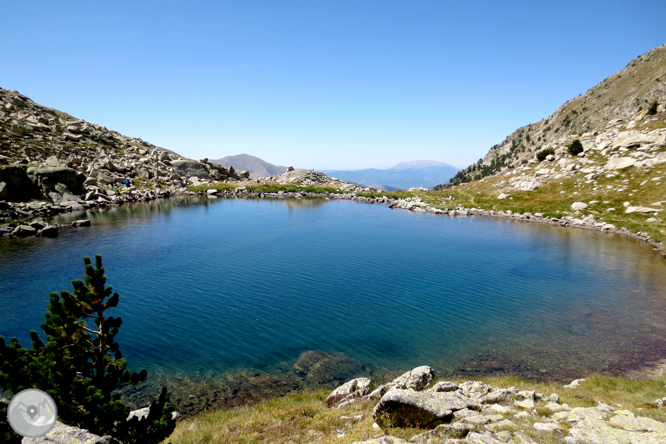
(319, 84)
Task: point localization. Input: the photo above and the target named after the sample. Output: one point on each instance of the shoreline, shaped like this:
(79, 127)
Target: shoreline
(415, 204)
(41, 209)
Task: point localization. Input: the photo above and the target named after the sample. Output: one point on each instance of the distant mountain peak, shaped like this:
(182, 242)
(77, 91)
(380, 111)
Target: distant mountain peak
(256, 166)
(417, 164)
(418, 173)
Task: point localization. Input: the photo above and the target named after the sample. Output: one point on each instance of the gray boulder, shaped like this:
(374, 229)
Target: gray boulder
(416, 379)
(353, 389)
(48, 231)
(64, 434)
(47, 178)
(81, 223)
(189, 168)
(17, 185)
(24, 231)
(407, 408)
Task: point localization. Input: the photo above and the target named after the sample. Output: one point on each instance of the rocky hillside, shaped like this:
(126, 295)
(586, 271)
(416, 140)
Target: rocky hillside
(62, 163)
(634, 99)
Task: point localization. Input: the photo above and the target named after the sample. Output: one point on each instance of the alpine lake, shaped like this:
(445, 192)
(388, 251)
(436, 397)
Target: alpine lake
(226, 301)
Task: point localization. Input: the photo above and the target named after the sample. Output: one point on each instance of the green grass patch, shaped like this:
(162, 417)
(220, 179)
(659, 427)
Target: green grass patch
(299, 417)
(604, 195)
(220, 186)
(400, 194)
(292, 188)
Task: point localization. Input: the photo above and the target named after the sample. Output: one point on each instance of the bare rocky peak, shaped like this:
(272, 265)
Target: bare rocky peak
(617, 104)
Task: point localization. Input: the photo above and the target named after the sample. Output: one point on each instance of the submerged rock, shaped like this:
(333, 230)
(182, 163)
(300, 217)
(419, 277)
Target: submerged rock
(320, 367)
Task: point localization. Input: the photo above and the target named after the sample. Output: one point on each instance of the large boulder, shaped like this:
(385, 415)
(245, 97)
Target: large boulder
(189, 168)
(348, 391)
(416, 379)
(407, 408)
(48, 177)
(620, 163)
(16, 186)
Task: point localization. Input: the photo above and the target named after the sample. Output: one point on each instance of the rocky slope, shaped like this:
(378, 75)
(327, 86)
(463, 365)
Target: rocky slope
(623, 102)
(473, 412)
(51, 162)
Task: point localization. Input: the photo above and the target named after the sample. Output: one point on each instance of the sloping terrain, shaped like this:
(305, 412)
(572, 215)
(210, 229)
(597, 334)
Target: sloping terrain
(622, 102)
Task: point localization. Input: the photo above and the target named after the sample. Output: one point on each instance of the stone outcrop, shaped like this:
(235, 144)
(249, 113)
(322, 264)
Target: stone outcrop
(16, 185)
(64, 434)
(475, 413)
(51, 162)
(410, 408)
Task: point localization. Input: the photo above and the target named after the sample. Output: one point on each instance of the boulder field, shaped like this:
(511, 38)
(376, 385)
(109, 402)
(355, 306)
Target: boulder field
(473, 412)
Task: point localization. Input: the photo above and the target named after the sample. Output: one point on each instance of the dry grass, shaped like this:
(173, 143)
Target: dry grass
(554, 198)
(301, 417)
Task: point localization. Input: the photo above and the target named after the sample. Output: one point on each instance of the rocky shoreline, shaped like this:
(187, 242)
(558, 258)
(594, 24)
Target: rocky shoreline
(473, 412)
(416, 204)
(35, 211)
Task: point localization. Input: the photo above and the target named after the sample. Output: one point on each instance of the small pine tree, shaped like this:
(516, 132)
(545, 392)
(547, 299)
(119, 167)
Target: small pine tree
(652, 110)
(541, 155)
(81, 366)
(575, 147)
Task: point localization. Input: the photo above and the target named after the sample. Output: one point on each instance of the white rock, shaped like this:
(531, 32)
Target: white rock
(641, 210)
(527, 404)
(578, 206)
(546, 426)
(574, 383)
(620, 163)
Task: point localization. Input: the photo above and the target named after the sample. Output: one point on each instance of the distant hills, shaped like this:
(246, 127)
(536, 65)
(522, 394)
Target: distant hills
(419, 173)
(256, 166)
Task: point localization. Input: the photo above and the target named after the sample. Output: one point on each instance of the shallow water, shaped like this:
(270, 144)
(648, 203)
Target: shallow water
(211, 286)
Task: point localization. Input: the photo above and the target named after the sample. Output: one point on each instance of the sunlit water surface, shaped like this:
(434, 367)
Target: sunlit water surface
(213, 286)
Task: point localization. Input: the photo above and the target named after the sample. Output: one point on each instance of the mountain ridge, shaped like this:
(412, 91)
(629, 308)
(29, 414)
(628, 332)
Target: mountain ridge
(254, 165)
(404, 175)
(616, 101)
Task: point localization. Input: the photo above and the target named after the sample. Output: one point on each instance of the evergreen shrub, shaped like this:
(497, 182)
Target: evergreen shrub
(81, 367)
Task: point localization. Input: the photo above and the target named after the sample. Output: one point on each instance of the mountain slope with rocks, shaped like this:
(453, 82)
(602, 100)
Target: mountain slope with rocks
(631, 100)
(51, 162)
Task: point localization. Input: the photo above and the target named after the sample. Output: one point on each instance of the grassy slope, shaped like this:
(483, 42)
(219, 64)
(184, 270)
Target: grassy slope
(634, 185)
(301, 417)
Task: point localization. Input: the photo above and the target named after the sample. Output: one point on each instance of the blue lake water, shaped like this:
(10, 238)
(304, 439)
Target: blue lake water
(212, 286)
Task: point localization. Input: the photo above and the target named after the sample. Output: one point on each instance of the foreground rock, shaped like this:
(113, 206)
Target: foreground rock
(475, 413)
(409, 408)
(64, 434)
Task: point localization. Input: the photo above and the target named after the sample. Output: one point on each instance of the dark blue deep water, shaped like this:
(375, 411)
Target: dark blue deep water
(212, 286)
